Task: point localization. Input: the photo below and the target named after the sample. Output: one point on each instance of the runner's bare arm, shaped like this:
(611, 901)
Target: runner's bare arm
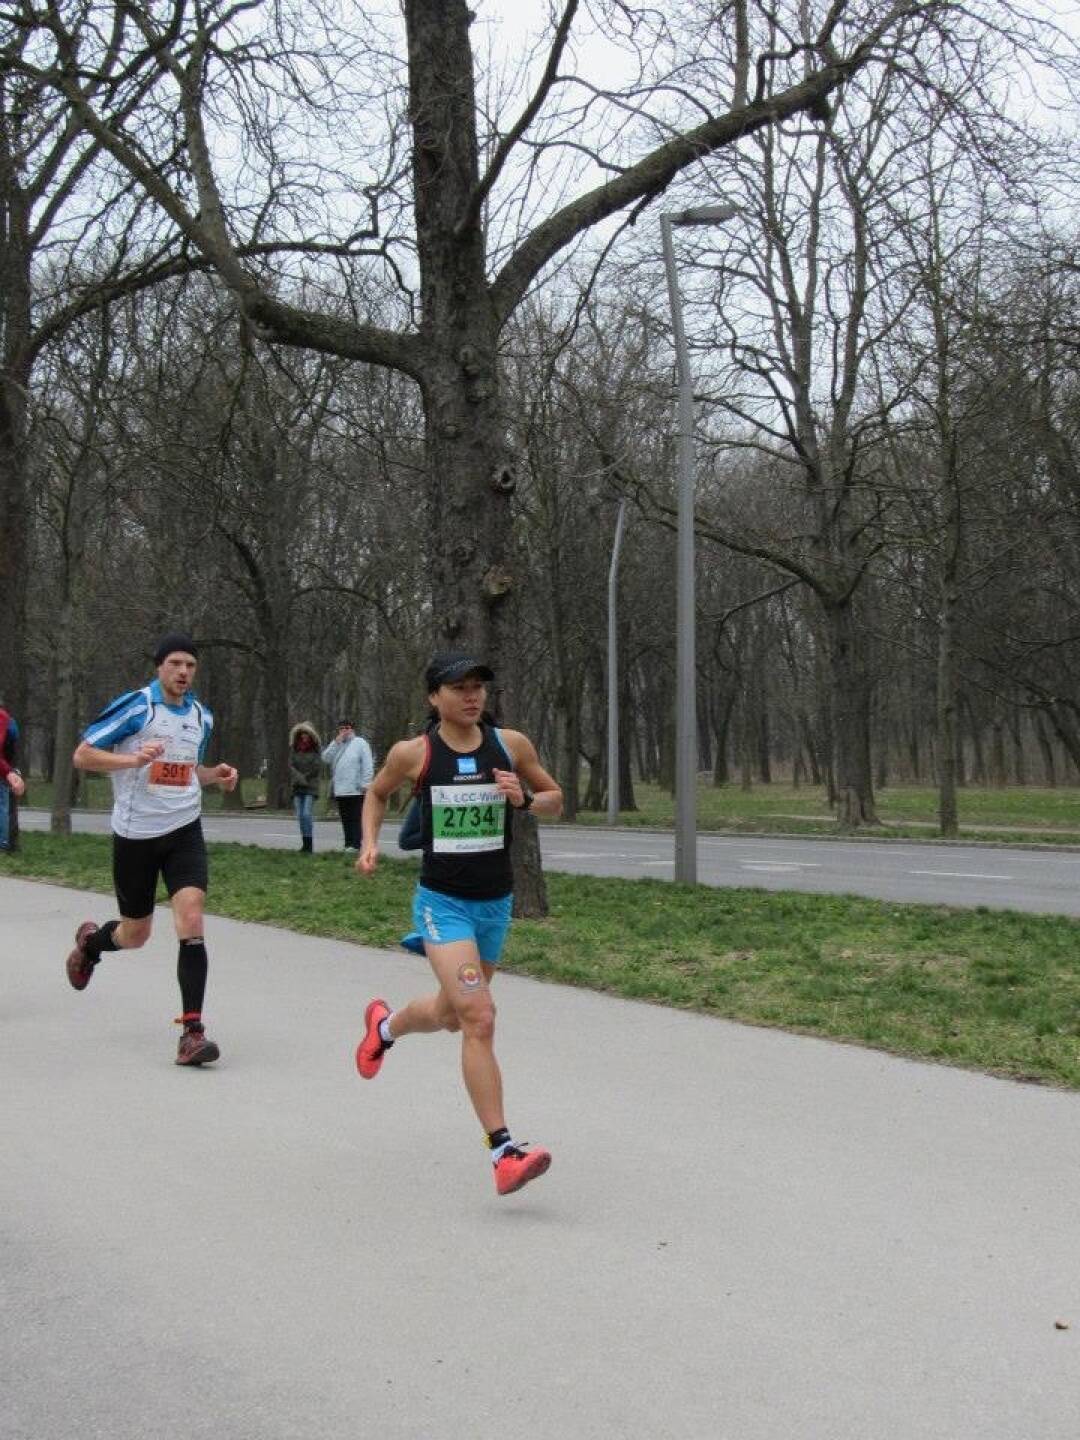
(101, 762)
(224, 775)
(402, 766)
(547, 795)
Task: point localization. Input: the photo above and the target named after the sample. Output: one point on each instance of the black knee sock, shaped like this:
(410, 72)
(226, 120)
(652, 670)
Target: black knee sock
(191, 973)
(101, 941)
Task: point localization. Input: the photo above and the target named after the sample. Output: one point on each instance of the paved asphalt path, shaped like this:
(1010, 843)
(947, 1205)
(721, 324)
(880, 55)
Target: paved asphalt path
(745, 1235)
(1038, 880)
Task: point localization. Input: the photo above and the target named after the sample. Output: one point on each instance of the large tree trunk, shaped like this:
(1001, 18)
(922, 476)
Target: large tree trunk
(14, 384)
(470, 472)
(851, 720)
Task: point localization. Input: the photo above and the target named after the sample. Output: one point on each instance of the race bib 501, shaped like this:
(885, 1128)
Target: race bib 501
(172, 772)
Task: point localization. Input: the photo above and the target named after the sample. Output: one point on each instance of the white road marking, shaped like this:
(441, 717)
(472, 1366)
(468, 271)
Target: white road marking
(588, 855)
(961, 875)
(785, 865)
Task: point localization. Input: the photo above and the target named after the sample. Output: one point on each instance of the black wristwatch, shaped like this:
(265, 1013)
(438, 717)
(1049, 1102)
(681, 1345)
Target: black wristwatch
(527, 796)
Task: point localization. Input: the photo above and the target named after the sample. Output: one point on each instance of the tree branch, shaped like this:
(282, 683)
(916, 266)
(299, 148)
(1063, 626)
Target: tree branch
(528, 115)
(652, 174)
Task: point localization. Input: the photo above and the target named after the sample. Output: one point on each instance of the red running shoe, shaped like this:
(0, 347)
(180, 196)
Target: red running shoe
(79, 965)
(515, 1168)
(195, 1047)
(370, 1051)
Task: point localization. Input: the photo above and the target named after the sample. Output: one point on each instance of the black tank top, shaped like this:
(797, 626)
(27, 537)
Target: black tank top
(466, 821)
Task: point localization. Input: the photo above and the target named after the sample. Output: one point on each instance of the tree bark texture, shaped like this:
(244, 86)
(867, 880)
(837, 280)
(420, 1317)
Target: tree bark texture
(850, 721)
(470, 473)
(15, 326)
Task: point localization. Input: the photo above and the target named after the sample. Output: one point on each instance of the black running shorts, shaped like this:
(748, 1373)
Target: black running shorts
(178, 857)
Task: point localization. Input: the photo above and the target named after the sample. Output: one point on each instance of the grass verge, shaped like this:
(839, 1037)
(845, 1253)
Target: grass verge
(990, 990)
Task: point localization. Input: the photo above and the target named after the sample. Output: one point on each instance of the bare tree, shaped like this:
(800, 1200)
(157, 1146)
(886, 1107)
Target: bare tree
(192, 60)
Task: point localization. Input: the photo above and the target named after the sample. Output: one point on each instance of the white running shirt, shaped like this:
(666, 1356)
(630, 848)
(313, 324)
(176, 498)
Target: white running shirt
(160, 797)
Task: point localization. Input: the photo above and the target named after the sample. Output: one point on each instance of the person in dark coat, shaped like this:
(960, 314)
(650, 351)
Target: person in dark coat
(304, 765)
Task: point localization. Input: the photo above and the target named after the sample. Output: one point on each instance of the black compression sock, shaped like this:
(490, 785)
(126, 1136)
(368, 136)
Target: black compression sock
(101, 941)
(191, 968)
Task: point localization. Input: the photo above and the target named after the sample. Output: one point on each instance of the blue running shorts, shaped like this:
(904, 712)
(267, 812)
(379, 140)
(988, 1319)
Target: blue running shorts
(442, 919)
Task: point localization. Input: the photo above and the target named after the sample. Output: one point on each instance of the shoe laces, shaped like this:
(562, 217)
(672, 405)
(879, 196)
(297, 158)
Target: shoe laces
(513, 1152)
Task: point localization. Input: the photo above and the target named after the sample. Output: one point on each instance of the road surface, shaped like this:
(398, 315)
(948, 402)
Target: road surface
(745, 1235)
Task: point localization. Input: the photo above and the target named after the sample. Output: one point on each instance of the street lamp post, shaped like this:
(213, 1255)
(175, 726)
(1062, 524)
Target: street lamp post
(685, 660)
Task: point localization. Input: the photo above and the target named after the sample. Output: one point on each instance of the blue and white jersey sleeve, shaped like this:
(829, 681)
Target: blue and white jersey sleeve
(208, 729)
(125, 716)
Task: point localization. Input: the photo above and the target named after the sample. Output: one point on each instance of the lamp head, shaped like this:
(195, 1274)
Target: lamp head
(705, 214)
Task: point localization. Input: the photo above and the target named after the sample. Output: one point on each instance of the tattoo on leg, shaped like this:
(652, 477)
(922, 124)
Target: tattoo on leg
(470, 976)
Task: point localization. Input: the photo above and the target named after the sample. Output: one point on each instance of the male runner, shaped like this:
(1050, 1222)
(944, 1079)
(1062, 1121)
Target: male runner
(151, 743)
(469, 777)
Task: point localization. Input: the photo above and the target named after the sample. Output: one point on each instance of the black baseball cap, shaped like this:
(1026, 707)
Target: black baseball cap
(454, 665)
(170, 644)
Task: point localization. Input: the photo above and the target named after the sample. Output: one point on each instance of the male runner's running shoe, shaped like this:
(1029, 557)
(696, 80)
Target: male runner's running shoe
(79, 965)
(195, 1047)
(515, 1168)
(370, 1051)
